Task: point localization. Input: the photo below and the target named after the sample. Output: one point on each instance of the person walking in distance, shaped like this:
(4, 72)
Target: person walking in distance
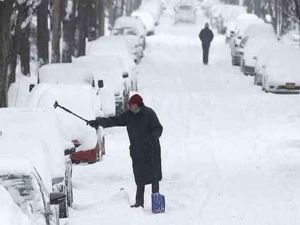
(144, 131)
(206, 36)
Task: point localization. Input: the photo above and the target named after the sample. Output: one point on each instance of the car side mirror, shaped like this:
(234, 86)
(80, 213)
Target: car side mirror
(255, 58)
(31, 86)
(125, 75)
(100, 84)
(57, 198)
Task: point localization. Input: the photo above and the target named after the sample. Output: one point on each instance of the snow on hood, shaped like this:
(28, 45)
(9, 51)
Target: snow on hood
(37, 124)
(11, 214)
(80, 99)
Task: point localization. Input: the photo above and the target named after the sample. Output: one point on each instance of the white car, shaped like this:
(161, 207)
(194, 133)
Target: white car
(251, 51)
(185, 13)
(134, 42)
(154, 7)
(281, 73)
(70, 73)
(82, 100)
(40, 125)
(26, 188)
(147, 19)
(262, 59)
(11, 214)
(109, 46)
(111, 69)
(130, 25)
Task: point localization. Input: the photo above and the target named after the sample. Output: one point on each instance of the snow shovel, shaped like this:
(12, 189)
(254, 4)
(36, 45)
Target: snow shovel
(56, 104)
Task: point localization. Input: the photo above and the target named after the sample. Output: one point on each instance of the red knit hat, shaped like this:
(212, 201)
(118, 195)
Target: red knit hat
(135, 99)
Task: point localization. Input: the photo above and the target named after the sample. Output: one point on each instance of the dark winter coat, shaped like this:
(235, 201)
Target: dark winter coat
(206, 36)
(144, 131)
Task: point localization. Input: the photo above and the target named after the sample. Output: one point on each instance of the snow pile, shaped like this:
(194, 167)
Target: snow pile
(65, 73)
(11, 214)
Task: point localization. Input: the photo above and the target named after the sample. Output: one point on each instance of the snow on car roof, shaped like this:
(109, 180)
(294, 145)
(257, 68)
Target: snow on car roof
(146, 18)
(113, 46)
(129, 21)
(260, 29)
(11, 214)
(41, 124)
(32, 150)
(78, 98)
(66, 73)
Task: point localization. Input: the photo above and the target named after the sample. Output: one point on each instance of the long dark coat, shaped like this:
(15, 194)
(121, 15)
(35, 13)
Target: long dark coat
(144, 131)
(206, 36)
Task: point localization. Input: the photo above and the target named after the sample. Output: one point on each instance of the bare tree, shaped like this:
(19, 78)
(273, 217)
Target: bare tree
(56, 30)
(43, 32)
(6, 10)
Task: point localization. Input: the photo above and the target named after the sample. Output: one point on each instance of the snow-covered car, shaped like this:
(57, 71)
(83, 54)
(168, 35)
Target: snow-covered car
(70, 73)
(26, 187)
(111, 68)
(44, 125)
(109, 46)
(154, 7)
(261, 60)
(185, 13)
(237, 52)
(242, 23)
(128, 25)
(134, 43)
(11, 214)
(251, 51)
(147, 19)
(82, 100)
(281, 73)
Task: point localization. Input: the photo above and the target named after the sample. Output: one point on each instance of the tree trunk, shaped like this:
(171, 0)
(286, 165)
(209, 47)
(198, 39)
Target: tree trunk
(6, 8)
(100, 10)
(24, 41)
(56, 30)
(92, 16)
(43, 33)
(81, 30)
(69, 27)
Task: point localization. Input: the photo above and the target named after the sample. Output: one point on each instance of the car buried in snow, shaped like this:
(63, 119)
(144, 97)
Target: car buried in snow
(128, 25)
(281, 72)
(24, 174)
(70, 73)
(185, 13)
(108, 46)
(82, 100)
(44, 125)
(147, 19)
(111, 69)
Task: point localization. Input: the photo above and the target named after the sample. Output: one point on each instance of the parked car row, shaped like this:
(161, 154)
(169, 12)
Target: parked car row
(40, 142)
(260, 54)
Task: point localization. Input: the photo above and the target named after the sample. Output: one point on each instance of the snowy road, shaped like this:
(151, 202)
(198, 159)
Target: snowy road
(231, 153)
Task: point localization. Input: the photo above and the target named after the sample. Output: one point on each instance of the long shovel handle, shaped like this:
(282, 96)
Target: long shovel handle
(69, 111)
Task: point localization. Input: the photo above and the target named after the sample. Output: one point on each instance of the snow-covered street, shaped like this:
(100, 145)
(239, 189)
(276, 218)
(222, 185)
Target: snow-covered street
(230, 152)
